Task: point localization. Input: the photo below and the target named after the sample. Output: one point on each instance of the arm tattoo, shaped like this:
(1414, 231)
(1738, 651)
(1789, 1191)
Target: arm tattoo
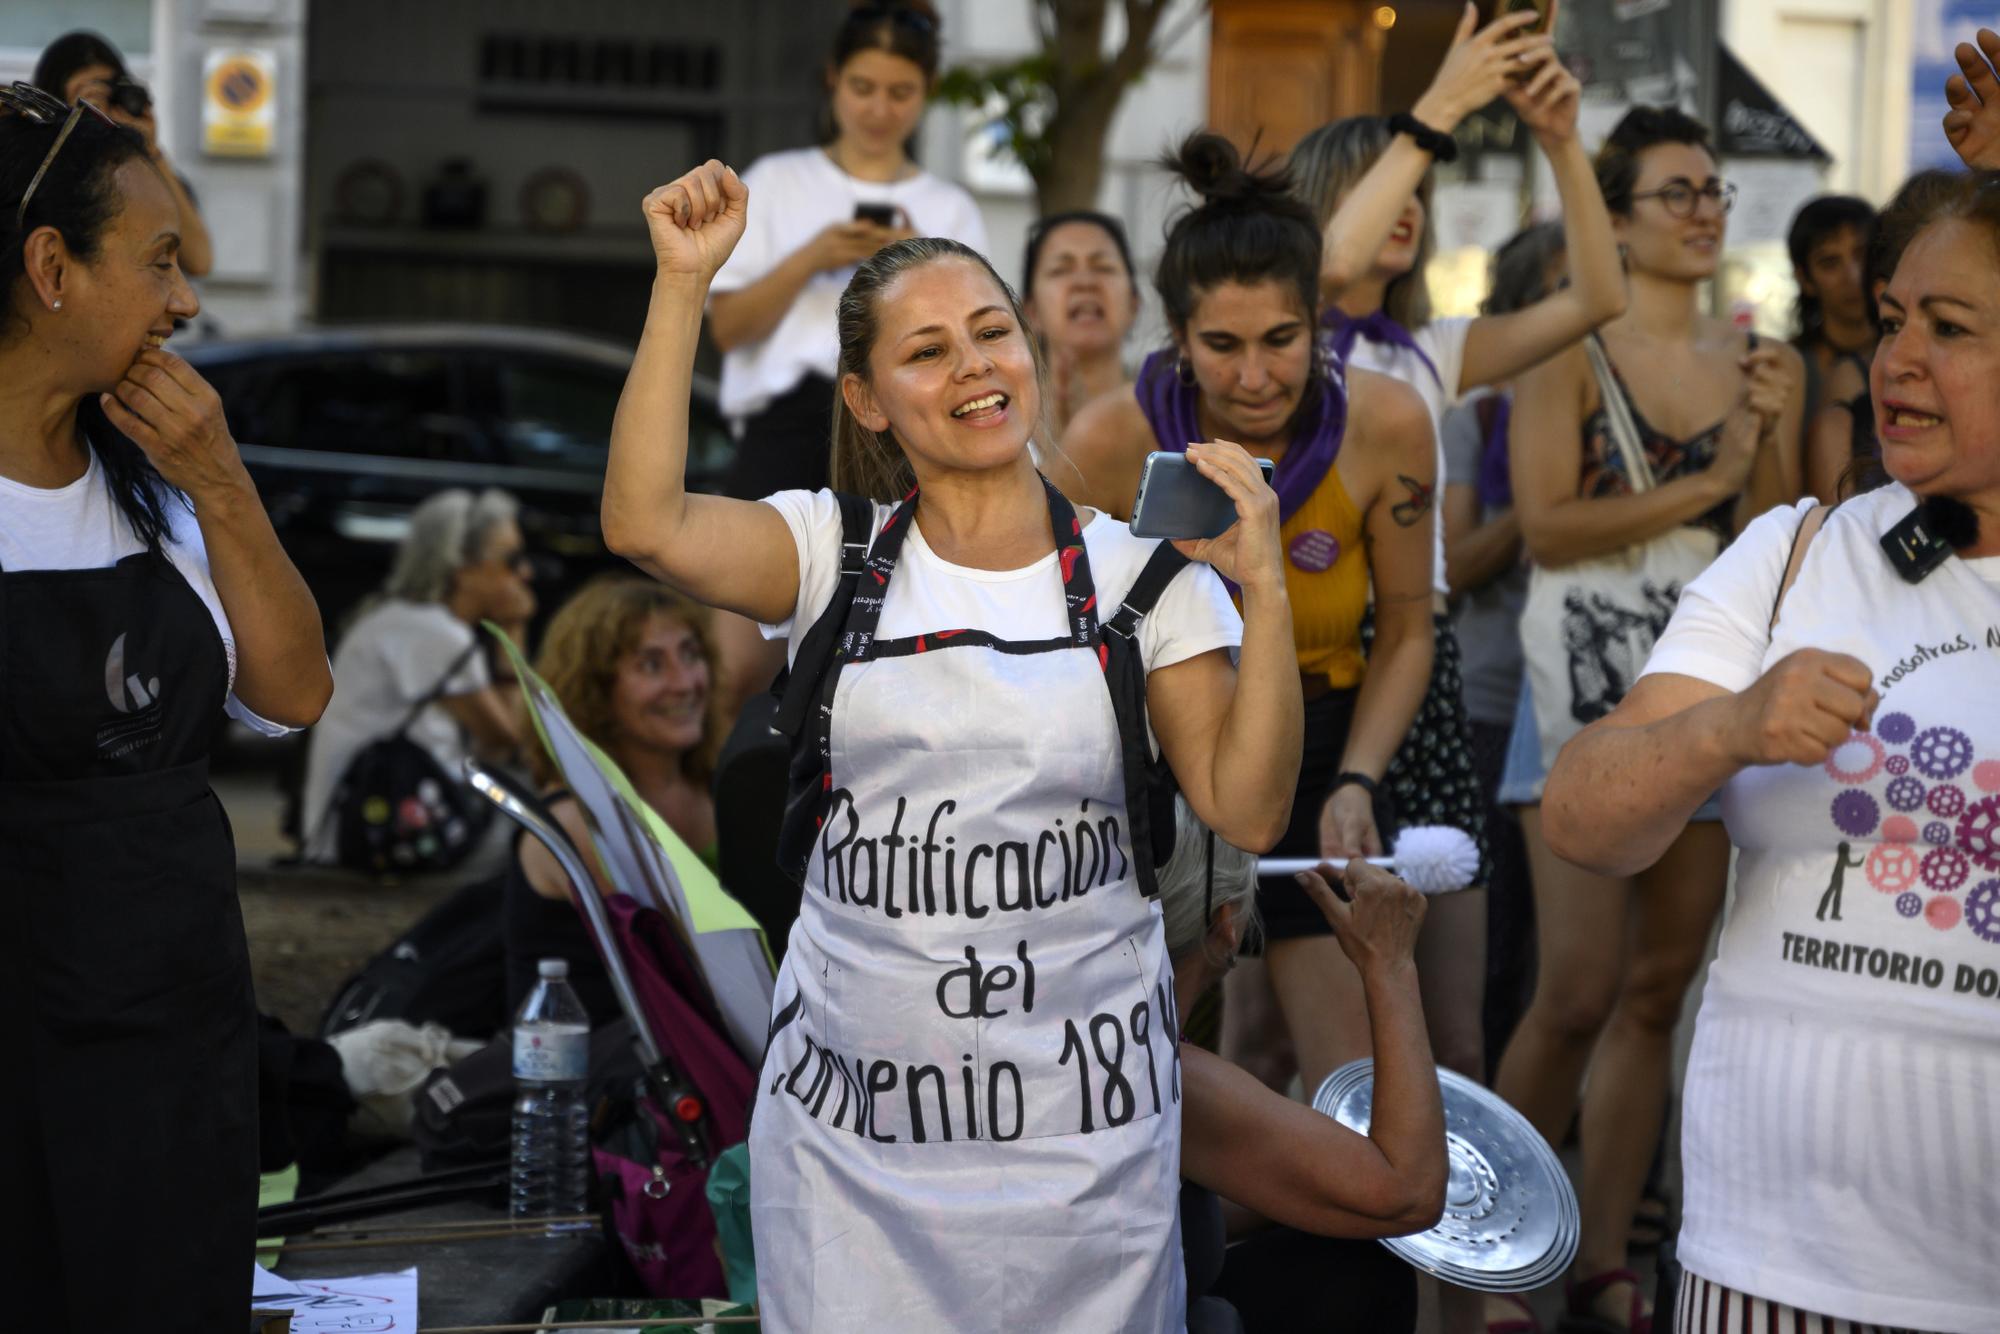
(1408, 513)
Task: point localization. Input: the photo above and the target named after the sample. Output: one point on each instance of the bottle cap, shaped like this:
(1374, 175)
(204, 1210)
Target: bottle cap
(553, 968)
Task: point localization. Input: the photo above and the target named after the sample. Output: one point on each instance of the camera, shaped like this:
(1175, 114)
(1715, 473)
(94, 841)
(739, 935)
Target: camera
(130, 96)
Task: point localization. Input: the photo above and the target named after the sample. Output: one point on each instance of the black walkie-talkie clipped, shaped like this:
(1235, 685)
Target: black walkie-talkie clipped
(1928, 535)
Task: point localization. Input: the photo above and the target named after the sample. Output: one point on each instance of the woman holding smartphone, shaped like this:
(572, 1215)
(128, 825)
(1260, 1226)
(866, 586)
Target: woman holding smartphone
(822, 210)
(969, 1116)
(1355, 474)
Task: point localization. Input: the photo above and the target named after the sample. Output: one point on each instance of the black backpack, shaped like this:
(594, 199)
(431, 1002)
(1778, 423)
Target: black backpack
(397, 810)
(808, 686)
(450, 968)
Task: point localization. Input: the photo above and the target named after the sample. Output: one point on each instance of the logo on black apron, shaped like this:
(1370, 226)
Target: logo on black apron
(137, 702)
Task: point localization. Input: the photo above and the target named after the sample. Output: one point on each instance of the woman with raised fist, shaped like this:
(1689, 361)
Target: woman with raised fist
(969, 1114)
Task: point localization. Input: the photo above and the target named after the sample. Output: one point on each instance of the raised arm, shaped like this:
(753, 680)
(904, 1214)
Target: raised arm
(1391, 429)
(733, 554)
(1545, 448)
(171, 413)
(1233, 735)
(1299, 1167)
(1500, 346)
(1475, 70)
(1624, 787)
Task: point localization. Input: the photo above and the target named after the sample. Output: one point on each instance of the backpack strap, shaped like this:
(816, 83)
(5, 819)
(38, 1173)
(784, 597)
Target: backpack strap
(431, 696)
(1815, 519)
(796, 686)
(1149, 782)
(848, 622)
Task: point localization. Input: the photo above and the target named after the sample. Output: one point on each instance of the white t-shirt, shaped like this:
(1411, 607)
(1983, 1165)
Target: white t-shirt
(1443, 341)
(1842, 1108)
(795, 195)
(394, 655)
(80, 527)
(927, 593)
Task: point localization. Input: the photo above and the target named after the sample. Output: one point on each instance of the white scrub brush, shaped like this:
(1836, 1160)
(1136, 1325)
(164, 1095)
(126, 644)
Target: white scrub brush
(1431, 858)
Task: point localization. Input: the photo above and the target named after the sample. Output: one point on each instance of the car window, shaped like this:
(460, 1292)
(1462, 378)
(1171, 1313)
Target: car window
(554, 414)
(392, 401)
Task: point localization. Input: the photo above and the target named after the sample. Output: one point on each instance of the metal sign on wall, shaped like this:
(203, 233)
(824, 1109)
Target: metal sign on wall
(239, 105)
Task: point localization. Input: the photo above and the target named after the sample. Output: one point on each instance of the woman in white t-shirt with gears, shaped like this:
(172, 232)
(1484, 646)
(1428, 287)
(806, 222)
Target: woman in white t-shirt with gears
(821, 211)
(969, 1112)
(1839, 1148)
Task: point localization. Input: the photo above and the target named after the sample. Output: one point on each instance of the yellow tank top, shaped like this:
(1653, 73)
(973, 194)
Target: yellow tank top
(1326, 577)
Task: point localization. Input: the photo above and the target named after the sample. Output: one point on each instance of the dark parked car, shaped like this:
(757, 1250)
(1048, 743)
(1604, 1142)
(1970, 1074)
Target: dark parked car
(346, 429)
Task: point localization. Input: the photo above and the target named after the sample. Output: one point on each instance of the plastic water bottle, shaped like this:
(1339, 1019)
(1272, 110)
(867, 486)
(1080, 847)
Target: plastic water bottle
(550, 1174)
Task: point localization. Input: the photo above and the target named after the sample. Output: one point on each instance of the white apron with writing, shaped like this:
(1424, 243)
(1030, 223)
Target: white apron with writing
(968, 1117)
(1842, 1106)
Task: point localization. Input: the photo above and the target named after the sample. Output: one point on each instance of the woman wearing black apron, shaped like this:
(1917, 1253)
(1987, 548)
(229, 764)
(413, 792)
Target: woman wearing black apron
(131, 542)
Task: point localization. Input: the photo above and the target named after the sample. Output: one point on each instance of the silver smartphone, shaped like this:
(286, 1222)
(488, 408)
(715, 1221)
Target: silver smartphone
(1176, 501)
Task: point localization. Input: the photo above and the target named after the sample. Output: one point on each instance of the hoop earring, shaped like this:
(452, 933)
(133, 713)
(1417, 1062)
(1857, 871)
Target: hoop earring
(1184, 372)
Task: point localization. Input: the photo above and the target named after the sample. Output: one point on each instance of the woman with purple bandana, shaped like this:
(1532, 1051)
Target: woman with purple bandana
(1356, 470)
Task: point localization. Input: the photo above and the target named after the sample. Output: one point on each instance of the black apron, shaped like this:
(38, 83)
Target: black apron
(128, 1125)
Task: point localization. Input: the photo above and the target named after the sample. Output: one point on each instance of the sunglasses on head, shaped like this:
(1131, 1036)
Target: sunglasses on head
(912, 19)
(38, 107)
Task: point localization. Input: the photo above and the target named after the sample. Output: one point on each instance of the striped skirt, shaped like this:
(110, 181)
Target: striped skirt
(1703, 1307)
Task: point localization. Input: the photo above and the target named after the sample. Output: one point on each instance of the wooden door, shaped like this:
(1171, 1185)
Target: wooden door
(1278, 69)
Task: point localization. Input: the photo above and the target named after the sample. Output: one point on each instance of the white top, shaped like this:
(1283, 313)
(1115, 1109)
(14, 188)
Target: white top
(80, 527)
(969, 1113)
(1443, 340)
(1194, 613)
(795, 195)
(1843, 1091)
(394, 654)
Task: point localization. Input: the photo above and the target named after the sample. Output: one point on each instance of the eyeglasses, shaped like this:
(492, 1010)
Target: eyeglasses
(1680, 196)
(35, 105)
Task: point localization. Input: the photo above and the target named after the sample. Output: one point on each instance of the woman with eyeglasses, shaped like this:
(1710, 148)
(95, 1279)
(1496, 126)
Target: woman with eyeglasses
(1716, 414)
(143, 595)
(83, 67)
(821, 211)
(413, 660)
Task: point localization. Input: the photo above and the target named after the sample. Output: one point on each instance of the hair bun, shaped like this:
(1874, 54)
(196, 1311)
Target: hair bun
(1213, 169)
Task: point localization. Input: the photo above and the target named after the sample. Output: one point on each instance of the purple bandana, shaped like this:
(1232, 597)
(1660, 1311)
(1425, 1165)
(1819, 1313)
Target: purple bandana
(1317, 428)
(1376, 328)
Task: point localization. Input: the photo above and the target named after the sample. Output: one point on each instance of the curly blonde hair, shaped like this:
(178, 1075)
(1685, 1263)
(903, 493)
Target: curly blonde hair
(587, 639)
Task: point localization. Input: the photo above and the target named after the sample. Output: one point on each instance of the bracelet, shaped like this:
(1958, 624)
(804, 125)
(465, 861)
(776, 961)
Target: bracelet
(1438, 144)
(1345, 777)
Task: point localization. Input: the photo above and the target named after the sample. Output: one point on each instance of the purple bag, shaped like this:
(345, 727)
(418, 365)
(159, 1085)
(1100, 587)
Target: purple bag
(657, 1191)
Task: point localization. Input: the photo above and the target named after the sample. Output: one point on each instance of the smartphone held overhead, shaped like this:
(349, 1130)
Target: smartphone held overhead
(1175, 501)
